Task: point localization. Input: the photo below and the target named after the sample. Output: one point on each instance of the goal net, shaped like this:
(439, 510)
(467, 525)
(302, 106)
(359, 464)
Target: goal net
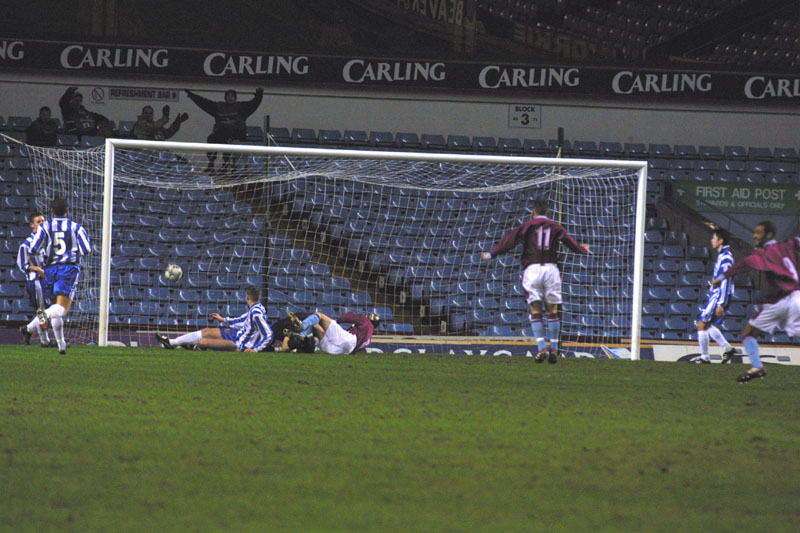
(396, 233)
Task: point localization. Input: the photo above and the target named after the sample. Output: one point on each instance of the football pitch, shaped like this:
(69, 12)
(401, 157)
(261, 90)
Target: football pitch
(126, 439)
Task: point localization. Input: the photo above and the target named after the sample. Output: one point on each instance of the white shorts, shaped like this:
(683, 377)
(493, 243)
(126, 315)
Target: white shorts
(785, 313)
(337, 340)
(542, 283)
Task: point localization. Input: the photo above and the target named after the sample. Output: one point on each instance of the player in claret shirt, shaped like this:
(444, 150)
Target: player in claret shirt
(332, 337)
(781, 263)
(541, 279)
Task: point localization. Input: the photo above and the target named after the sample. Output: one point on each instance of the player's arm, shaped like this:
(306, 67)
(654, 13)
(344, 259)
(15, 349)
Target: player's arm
(506, 243)
(572, 244)
(754, 261)
(84, 244)
(249, 107)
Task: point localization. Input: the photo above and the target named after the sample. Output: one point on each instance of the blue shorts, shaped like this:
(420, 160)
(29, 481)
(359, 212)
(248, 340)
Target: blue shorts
(36, 294)
(228, 334)
(62, 279)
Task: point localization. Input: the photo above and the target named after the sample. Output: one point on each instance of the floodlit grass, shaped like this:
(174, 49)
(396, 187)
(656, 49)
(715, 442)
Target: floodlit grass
(151, 440)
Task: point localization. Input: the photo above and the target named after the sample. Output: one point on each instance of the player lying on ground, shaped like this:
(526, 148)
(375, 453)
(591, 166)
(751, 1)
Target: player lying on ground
(249, 332)
(32, 265)
(781, 262)
(332, 337)
(288, 340)
(64, 243)
(540, 279)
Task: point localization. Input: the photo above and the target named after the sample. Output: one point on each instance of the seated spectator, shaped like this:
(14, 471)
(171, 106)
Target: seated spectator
(154, 130)
(77, 119)
(44, 130)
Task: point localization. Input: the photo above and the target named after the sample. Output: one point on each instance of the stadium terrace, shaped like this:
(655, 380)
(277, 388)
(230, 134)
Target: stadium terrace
(626, 82)
(221, 64)
(78, 57)
(358, 71)
(493, 77)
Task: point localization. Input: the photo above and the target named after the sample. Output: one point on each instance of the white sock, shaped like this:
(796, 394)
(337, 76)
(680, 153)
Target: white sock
(718, 337)
(188, 338)
(702, 339)
(44, 338)
(34, 325)
(55, 311)
(58, 331)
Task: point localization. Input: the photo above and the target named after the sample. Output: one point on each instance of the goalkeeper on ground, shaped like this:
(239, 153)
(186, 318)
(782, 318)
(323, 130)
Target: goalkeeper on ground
(248, 332)
(541, 279)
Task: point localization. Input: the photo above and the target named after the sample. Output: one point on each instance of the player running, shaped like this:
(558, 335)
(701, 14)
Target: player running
(717, 302)
(32, 265)
(248, 332)
(332, 337)
(540, 279)
(64, 242)
(781, 262)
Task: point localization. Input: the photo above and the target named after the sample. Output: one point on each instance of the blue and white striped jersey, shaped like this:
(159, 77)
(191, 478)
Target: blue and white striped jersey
(252, 329)
(62, 240)
(722, 293)
(25, 258)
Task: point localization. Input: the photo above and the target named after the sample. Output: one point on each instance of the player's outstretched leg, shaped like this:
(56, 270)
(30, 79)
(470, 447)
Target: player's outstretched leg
(752, 374)
(44, 320)
(27, 334)
(297, 324)
(164, 341)
(728, 354)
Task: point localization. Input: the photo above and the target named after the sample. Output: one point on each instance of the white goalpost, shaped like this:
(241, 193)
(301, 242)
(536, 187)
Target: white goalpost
(398, 233)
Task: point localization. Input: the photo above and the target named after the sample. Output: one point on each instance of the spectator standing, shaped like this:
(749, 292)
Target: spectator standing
(230, 117)
(77, 119)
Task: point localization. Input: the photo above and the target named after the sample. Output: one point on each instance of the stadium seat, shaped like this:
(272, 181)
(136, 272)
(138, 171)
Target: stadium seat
(459, 143)
(672, 251)
(785, 154)
(279, 136)
(657, 294)
(484, 144)
(356, 138)
(509, 145)
(611, 150)
(304, 136)
(407, 141)
(381, 139)
(585, 149)
(685, 151)
(693, 265)
(636, 150)
(734, 152)
(660, 151)
(685, 294)
(333, 137)
(18, 123)
(710, 152)
(680, 308)
(497, 331)
(758, 153)
(433, 142)
(537, 147)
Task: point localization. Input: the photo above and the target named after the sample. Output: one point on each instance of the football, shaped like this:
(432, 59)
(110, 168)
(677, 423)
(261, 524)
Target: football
(173, 272)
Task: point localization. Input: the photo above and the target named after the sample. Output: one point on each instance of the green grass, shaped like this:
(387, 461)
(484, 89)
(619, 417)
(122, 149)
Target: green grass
(152, 440)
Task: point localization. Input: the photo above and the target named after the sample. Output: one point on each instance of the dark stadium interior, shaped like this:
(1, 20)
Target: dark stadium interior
(736, 34)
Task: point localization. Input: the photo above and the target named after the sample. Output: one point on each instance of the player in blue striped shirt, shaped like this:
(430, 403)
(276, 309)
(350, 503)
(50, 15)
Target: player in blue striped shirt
(63, 242)
(32, 265)
(248, 332)
(717, 302)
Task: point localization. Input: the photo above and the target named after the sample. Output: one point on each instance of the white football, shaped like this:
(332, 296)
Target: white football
(173, 272)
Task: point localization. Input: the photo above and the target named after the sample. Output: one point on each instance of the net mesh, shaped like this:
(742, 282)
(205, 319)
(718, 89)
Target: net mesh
(333, 233)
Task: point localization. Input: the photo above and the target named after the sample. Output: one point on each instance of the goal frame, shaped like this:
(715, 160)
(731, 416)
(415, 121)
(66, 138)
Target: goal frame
(111, 145)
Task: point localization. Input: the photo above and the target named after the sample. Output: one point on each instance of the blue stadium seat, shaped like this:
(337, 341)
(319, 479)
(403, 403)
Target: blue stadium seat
(509, 145)
(484, 144)
(734, 152)
(785, 154)
(680, 308)
(356, 138)
(407, 141)
(686, 294)
(536, 147)
(666, 279)
(636, 150)
(611, 150)
(431, 141)
(279, 136)
(693, 265)
(381, 139)
(697, 252)
(396, 328)
(497, 331)
(671, 251)
(657, 294)
(304, 136)
(655, 308)
(459, 143)
(685, 151)
(585, 149)
(710, 152)
(660, 151)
